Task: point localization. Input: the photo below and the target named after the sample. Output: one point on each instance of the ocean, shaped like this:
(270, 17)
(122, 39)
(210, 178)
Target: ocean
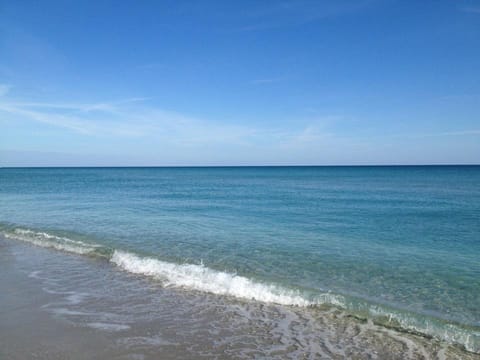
(397, 247)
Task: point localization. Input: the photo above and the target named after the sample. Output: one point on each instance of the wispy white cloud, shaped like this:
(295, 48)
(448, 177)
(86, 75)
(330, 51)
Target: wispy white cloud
(132, 132)
(110, 107)
(132, 118)
(127, 118)
(68, 122)
(57, 106)
(95, 119)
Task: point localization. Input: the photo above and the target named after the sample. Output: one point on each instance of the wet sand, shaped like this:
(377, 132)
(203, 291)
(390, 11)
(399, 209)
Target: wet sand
(61, 306)
(29, 332)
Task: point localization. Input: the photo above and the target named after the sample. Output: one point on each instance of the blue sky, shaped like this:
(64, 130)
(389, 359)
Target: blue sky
(239, 83)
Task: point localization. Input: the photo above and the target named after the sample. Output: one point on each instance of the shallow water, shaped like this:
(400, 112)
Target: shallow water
(65, 306)
(396, 245)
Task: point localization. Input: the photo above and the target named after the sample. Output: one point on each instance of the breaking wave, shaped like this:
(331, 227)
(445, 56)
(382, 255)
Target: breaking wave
(203, 278)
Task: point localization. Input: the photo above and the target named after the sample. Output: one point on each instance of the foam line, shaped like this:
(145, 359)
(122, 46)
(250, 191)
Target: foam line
(202, 278)
(52, 241)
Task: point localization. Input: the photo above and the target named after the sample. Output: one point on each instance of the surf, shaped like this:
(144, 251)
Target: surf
(202, 278)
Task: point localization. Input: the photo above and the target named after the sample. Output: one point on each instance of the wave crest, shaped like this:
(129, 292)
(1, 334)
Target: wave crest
(46, 240)
(202, 278)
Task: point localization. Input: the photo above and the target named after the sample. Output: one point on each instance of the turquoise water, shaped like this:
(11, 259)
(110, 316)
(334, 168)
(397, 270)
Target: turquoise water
(399, 244)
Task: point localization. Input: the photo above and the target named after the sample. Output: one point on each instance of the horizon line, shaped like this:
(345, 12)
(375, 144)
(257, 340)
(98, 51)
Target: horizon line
(228, 166)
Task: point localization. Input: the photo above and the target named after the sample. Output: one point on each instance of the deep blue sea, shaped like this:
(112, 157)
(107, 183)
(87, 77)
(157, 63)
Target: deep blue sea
(399, 244)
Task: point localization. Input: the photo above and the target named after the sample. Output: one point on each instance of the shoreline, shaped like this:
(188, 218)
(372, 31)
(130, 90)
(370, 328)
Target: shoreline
(150, 319)
(200, 278)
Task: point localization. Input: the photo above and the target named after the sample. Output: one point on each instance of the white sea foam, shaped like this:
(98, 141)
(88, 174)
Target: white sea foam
(202, 278)
(108, 327)
(449, 332)
(52, 241)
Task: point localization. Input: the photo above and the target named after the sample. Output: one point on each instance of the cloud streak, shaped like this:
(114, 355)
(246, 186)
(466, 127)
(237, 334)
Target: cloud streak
(130, 131)
(156, 135)
(126, 118)
(131, 118)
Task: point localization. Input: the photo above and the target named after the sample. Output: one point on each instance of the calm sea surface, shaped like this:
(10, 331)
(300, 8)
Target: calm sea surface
(398, 244)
